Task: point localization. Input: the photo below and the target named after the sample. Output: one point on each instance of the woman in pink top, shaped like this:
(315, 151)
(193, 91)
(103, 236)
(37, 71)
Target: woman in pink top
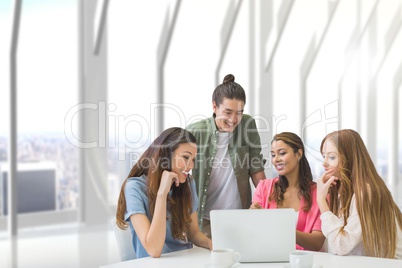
(293, 188)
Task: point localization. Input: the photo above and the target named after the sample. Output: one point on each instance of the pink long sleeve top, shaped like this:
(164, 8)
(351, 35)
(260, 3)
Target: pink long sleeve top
(307, 221)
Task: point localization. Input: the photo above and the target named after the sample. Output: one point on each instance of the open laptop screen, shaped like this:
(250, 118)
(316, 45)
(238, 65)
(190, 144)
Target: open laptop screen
(259, 235)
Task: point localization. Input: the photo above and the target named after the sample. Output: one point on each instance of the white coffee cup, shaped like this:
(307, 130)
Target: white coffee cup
(224, 257)
(301, 259)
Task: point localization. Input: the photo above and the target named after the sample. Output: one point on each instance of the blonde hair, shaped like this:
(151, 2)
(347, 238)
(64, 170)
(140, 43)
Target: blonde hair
(379, 215)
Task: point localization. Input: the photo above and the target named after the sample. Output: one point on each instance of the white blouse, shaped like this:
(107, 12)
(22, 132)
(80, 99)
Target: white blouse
(351, 241)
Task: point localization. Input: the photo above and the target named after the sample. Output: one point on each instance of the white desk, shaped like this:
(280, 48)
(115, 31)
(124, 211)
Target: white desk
(199, 257)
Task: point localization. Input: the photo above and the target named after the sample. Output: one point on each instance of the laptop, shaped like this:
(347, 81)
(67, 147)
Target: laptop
(259, 235)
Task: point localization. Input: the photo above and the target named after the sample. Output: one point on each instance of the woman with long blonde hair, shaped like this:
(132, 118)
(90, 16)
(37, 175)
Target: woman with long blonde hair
(359, 217)
(158, 200)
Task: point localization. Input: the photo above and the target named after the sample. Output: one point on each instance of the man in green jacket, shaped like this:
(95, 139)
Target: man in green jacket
(229, 153)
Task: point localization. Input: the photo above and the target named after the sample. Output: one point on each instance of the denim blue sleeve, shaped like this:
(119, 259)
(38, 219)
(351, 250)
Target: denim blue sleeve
(194, 195)
(136, 199)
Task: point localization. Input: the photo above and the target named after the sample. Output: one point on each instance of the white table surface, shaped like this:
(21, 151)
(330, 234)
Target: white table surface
(200, 257)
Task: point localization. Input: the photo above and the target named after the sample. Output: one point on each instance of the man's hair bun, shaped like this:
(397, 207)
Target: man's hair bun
(228, 78)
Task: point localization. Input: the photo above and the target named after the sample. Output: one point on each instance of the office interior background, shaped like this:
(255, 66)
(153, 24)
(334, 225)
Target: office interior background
(87, 85)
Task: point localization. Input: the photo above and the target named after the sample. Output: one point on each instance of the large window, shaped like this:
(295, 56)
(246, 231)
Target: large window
(325, 72)
(47, 167)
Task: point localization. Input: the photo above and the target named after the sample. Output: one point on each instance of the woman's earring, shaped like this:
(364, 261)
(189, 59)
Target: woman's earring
(298, 160)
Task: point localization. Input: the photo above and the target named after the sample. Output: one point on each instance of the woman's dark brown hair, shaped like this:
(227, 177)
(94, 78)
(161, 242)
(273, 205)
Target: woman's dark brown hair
(305, 176)
(228, 89)
(152, 163)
